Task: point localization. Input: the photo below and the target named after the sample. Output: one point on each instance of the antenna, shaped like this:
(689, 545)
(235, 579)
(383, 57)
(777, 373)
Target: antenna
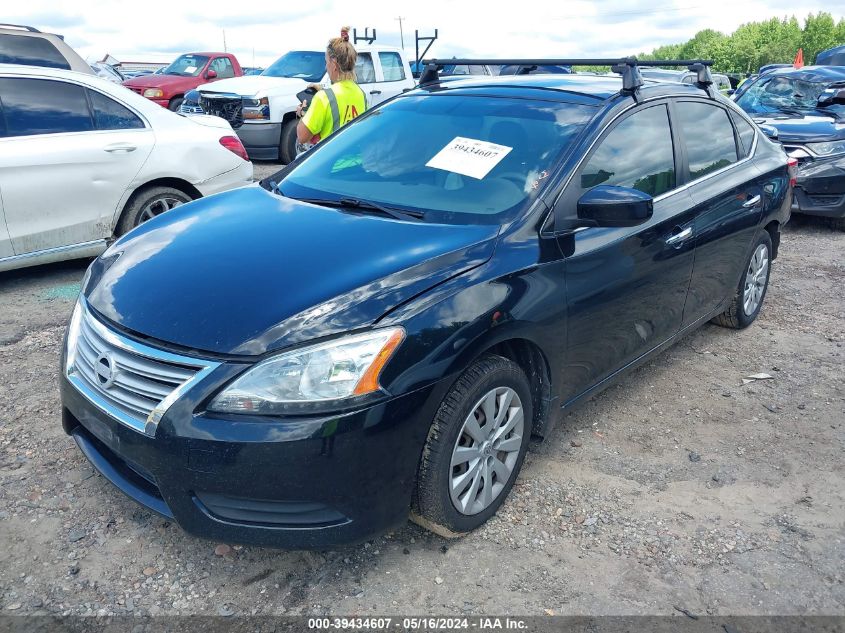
(401, 31)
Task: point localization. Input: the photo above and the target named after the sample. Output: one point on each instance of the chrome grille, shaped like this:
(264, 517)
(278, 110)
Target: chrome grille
(132, 382)
(190, 109)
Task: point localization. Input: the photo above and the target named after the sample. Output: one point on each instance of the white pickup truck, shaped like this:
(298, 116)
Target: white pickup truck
(262, 108)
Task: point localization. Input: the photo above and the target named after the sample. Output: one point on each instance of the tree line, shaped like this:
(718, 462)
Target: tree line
(756, 44)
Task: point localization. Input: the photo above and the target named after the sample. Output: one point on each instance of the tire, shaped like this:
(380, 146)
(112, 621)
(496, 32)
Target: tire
(436, 506)
(287, 142)
(748, 298)
(175, 103)
(147, 203)
(837, 224)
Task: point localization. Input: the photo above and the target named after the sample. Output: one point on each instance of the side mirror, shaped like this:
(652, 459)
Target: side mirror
(769, 130)
(211, 74)
(614, 206)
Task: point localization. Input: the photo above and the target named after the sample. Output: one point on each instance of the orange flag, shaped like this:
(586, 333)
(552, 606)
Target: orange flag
(799, 59)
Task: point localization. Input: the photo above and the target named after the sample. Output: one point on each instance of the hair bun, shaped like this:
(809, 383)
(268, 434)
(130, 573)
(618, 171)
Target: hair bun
(344, 33)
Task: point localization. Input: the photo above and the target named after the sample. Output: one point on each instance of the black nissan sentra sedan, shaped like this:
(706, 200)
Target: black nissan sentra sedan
(379, 328)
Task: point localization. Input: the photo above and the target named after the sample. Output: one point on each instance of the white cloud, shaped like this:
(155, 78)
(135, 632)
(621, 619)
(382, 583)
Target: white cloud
(156, 30)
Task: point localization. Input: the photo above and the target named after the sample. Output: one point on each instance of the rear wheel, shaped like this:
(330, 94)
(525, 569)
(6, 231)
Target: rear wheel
(475, 447)
(749, 295)
(287, 142)
(148, 203)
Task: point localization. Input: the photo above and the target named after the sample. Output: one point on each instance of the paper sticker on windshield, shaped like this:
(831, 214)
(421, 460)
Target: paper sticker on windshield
(469, 157)
(190, 69)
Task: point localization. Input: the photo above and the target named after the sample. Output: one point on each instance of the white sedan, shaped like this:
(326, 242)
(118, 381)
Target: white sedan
(83, 160)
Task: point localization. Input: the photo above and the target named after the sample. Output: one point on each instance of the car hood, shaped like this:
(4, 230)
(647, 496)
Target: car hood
(809, 128)
(246, 271)
(255, 84)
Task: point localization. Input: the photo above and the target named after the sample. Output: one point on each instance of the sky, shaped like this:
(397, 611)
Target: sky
(158, 31)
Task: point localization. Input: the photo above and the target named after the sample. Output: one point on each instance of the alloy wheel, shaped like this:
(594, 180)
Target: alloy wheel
(486, 451)
(755, 279)
(157, 206)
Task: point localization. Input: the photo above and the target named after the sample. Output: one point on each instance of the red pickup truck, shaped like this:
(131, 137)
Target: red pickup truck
(188, 71)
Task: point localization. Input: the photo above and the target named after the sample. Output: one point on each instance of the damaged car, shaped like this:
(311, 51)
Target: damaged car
(807, 108)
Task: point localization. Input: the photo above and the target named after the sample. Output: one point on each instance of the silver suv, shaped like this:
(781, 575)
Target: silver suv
(30, 47)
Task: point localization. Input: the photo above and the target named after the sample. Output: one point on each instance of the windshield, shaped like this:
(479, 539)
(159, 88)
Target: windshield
(777, 93)
(457, 159)
(187, 66)
(307, 65)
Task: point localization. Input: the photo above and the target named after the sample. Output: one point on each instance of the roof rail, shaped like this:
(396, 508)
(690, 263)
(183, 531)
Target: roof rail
(21, 26)
(626, 66)
(366, 37)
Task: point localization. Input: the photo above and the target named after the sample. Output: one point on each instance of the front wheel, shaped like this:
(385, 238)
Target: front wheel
(748, 297)
(475, 447)
(175, 104)
(287, 142)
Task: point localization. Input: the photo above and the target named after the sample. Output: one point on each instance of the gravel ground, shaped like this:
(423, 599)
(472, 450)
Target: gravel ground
(681, 488)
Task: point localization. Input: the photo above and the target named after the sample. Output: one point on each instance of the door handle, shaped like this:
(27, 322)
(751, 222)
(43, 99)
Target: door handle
(120, 147)
(375, 92)
(679, 238)
(751, 202)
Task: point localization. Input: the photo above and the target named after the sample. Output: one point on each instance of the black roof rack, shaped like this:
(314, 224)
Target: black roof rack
(21, 26)
(628, 67)
(366, 37)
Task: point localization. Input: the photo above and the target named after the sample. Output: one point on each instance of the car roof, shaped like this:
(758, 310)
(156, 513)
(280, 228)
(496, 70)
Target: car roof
(560, 87)
(810, 73)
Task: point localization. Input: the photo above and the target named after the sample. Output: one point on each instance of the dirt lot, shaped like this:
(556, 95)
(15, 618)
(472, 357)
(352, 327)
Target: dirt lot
(681, 488)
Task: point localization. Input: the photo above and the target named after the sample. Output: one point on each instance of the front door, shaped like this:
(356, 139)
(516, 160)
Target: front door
(365, 75)
(626, 287)
(68, 158)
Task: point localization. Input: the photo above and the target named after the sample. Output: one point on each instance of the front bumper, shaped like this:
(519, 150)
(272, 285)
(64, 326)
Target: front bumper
(304, 483)
(820, 188)
(261, 140)
(164, 103)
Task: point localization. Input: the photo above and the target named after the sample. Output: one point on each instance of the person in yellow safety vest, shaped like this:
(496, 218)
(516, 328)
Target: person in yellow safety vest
(336, 105)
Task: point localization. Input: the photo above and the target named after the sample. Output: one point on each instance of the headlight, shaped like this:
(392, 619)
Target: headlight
(256, 109)
(827, 149)
(326, 374)
(153, 93)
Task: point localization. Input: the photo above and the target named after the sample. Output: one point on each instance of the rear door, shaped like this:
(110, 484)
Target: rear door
(66, 160)
(393, 75)
(727, 191)
(626, 287)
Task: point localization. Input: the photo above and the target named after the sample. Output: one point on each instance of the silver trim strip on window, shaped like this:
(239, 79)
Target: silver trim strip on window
(146, 426)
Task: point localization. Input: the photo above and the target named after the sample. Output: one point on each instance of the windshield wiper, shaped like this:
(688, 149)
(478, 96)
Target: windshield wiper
(368, 205)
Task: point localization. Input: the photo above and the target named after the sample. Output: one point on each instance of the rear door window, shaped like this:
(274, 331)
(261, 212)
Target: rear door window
(746, 133)
(30, 51)
(709, 137)
(43, 106)
(391, 66)
(111, 115)
(621, 161)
